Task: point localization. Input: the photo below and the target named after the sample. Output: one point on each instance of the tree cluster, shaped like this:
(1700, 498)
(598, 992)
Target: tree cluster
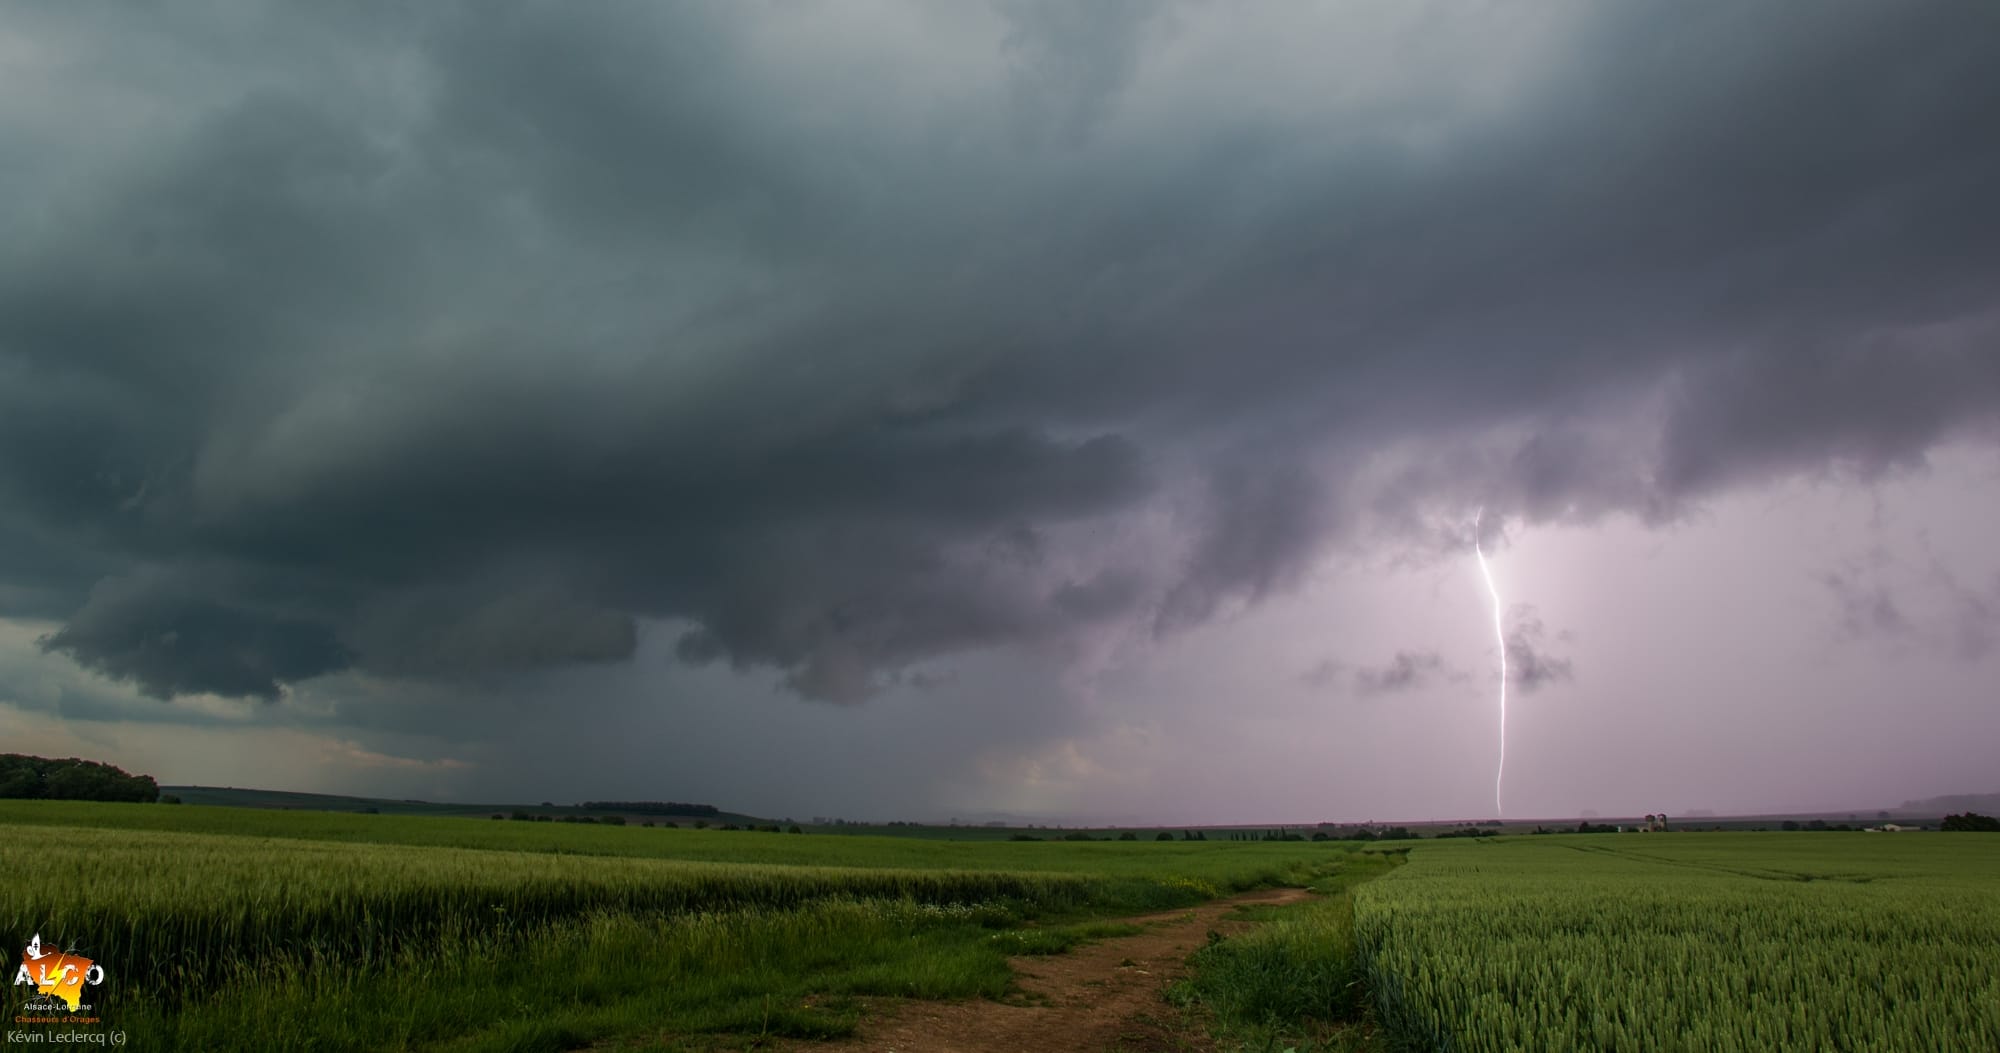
(1971, 822)
(71, 779)
(653, 807)
(1371, 832)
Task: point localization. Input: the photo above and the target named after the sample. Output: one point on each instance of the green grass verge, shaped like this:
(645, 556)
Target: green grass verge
(740, 975)
(689, 982)
(224, 936)
(1060, 938)
(1293, 983)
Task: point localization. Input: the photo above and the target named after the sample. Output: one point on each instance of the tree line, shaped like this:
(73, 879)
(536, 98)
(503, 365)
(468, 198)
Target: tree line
(653, 808)
(71, 779)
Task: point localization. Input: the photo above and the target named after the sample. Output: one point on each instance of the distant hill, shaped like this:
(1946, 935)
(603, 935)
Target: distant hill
(1983, 803)
(241, 797)
(670, 808)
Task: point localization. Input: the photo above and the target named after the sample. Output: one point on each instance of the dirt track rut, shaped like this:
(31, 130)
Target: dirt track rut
(1103, 996)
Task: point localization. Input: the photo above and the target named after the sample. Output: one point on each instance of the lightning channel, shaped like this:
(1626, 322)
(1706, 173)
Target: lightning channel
(1499, 636)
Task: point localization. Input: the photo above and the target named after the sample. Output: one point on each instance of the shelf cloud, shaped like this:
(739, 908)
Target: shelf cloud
(460, 341)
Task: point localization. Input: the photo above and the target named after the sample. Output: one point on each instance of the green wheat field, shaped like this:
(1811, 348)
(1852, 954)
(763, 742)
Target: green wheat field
(228, 929)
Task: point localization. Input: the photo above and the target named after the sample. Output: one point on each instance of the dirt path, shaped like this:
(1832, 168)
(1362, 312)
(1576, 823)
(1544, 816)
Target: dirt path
(1099, 997)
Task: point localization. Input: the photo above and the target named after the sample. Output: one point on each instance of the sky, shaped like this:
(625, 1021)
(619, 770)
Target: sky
(1083, 412)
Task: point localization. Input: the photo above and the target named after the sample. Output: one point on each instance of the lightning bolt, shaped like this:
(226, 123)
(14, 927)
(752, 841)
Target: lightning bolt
(1500, 635)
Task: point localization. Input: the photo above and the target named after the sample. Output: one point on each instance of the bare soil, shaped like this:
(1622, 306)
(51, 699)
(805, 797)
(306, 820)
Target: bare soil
(1104, 996)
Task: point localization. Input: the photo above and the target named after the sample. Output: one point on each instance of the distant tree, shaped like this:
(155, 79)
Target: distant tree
(794, 829)
(654, 808)
(1971, 822)
(1789, 824)
(168, 798)
(71, 779)
(1128, 836)
(701, 824)
(1163, 836)
(497, 815)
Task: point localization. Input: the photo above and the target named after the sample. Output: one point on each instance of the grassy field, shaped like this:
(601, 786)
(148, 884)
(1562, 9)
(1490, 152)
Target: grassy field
(230, 928)
(238, 929)
(1216, 861)
(1708, 942)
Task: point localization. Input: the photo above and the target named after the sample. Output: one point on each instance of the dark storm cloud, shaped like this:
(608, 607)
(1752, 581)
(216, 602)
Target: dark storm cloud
(1263, 519)
(1407, 671)
(1875, 597)
(1322, 673)
(1869, 400)
(1068, 60)
(441, 635)
(1530, 666)
(171, 642)
(1867, 607)
(456, 338)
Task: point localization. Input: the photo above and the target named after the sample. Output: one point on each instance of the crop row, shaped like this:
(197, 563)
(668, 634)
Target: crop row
(1694, 942)
(166, 912)
(1224, 865)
